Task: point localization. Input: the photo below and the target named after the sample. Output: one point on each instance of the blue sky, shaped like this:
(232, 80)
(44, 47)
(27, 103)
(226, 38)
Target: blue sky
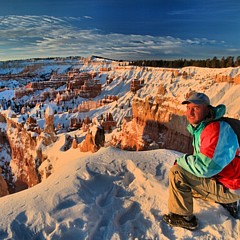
(126, 29)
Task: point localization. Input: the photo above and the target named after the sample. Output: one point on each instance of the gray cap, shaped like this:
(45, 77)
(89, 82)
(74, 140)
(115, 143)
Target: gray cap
(197, 98)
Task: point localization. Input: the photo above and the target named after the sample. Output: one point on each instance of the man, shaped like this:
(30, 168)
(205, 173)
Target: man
(212, 172)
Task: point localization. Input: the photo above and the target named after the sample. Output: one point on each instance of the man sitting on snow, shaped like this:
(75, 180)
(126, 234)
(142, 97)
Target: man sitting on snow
(212, 171)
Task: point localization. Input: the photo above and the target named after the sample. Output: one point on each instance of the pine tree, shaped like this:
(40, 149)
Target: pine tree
(223, 62)
(237, 62)
(230, 61)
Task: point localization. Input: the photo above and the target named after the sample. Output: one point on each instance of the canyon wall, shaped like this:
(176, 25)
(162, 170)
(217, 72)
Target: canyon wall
(26, 141)
(4, 159)
(227, 78)
(3, 186)
(24, 156)
(155, 124)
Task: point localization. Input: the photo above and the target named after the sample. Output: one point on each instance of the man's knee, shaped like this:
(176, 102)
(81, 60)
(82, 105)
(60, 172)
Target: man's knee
(176, 169)
(176, 174)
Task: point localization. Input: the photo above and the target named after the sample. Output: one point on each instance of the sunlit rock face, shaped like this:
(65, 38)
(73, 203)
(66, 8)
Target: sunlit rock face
(3, 186)
(5, 171)
(49, 135)
(25, 144)
(94, 140)
(155, 124)
(227, 78)
(23, 155)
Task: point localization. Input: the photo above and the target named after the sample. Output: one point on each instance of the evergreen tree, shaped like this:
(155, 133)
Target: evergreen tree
(180, 63)
(215, 63)
(237, 62)
(230, 61)
(208, 63)
(223, 62)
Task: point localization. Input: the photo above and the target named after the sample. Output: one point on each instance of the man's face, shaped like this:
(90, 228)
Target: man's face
(196, 112)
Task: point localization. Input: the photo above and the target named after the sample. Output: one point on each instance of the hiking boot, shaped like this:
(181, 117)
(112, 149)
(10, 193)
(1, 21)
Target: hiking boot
(232, 208)
(176, 220)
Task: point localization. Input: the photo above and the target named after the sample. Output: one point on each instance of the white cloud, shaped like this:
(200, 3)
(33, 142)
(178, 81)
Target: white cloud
(88, 17)
(34, 36)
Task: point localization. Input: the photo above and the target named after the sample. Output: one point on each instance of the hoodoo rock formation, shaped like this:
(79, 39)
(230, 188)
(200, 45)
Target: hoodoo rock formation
(24, 160)
(25, 142)
(48, 135)
(94, 140)
(6, 176)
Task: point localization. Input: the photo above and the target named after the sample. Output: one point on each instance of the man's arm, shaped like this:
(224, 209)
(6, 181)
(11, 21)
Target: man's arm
(218, 145)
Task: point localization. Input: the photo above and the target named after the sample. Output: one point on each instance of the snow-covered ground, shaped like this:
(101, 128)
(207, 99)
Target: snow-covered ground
(111, 194)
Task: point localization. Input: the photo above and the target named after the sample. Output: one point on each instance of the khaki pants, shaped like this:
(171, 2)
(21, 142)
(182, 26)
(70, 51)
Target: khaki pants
(182, 186)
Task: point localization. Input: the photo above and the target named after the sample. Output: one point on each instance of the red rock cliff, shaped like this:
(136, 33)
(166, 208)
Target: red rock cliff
(24, 157)
(155, 124)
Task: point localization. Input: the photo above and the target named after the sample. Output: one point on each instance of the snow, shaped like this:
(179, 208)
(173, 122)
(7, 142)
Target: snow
(7, 94)
(49, 110)
(115, 194)
(111, 194)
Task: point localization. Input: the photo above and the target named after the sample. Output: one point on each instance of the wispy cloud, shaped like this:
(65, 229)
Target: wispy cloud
(34, 36)
(88, 17)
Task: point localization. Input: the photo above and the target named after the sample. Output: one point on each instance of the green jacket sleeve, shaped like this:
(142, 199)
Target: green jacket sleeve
(199, 165)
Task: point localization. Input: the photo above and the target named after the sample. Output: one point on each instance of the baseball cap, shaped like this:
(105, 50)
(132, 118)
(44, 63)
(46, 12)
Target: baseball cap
(197, 98)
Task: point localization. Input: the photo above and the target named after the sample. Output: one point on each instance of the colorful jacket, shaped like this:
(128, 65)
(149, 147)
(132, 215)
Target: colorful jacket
(215, 151)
